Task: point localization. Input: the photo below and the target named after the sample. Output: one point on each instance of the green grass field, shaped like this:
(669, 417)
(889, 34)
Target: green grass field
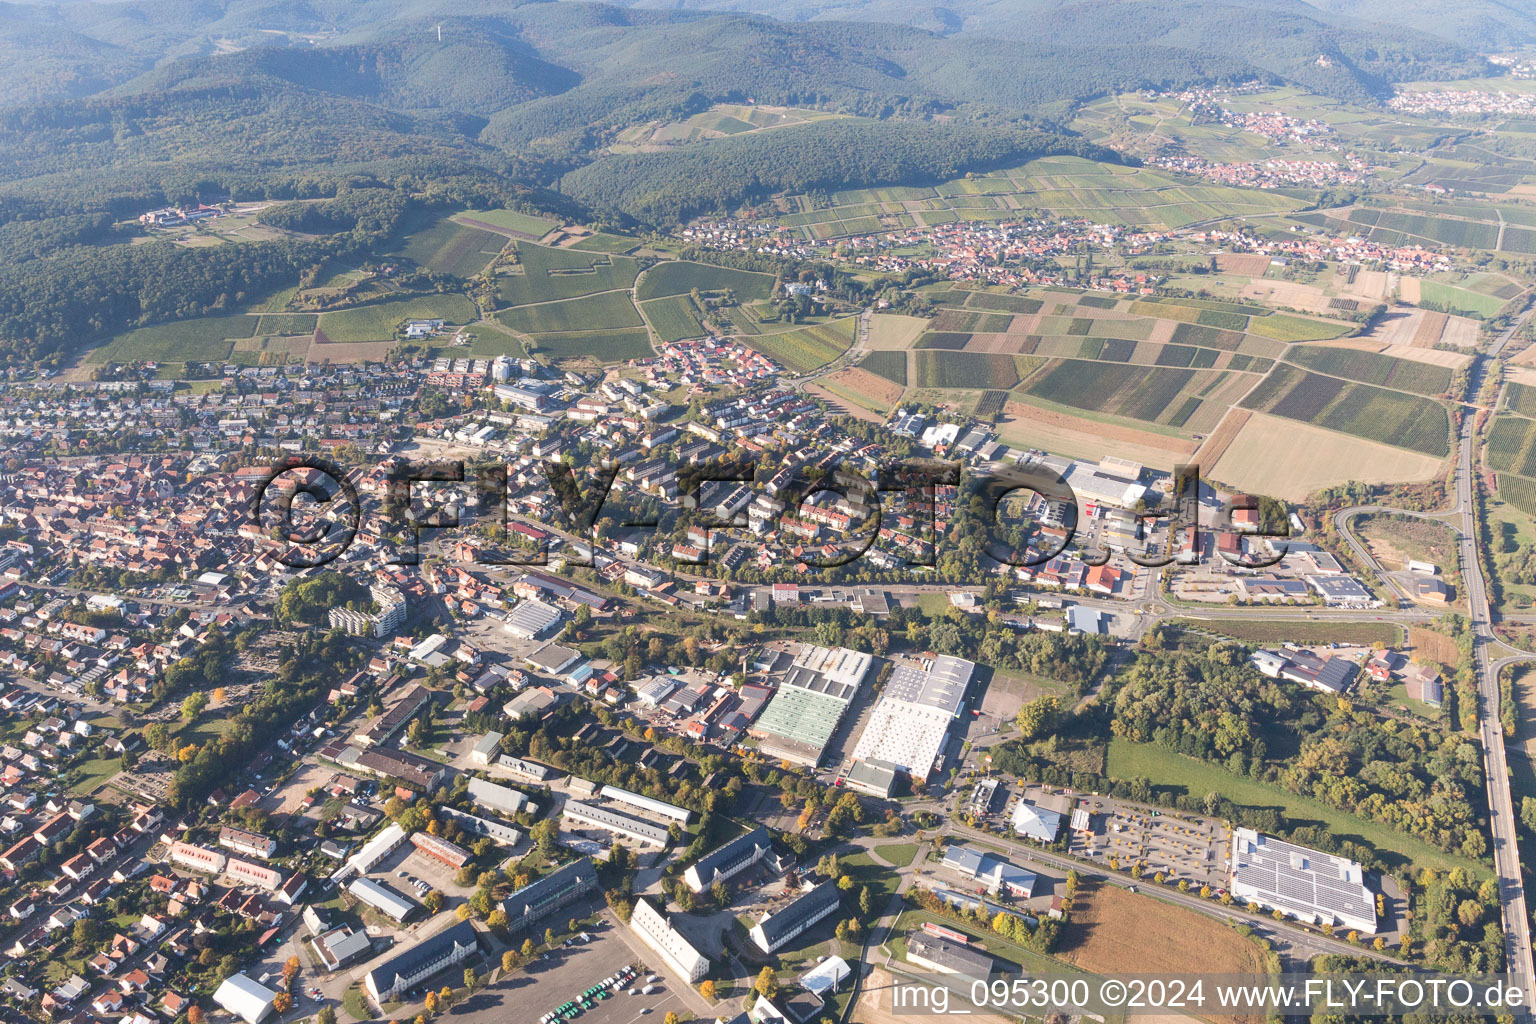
(207, 340)
(549, 274)
(378, 321)
(604, 242)
(449, 247)
(603, 311)
(679, 277)
(804, 349)
(1164, 767)
(511, 220)
(1451, 299)
(1284, 327)
(673, 318)
(1275, 631)
(599, 346)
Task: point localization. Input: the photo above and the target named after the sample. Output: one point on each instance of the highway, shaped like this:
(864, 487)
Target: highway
(1506, 851)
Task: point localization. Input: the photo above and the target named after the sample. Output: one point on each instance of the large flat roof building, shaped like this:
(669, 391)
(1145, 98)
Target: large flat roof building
(645, 803)
(499, 798)
(1316, 887)
(911, 723)
(812, 697)
(247, 999)
(946, 956)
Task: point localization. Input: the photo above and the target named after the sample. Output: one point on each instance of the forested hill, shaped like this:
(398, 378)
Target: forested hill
(659, 189)
(471, 71)
(1484, 24)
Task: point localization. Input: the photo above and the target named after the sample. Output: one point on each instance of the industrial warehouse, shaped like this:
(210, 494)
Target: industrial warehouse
(813, 695)
(910, 725)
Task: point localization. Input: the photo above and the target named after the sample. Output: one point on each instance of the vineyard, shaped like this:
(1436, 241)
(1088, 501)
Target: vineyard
(1519, 491)
(1003, 303)
(1373, 368)
(1390, 417)
(966, 370)
(1510, 445)
(673, 318)
(1522, 397)
(803, 350)
(890, 365)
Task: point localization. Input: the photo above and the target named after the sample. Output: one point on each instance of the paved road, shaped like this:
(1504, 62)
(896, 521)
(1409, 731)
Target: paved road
(1506, 851)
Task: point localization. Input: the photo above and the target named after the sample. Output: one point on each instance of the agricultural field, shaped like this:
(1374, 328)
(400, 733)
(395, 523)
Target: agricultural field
(672, 318)
(1031, 424)
(889, 331)
(719, 121)
(966, 370)
(206, 340)
(855, 389)
(378, 322)
(596, 312)
(1373, 368)
(601, 241)
(806, 348)
(1461, 301)
(1521, 398)
(1062, 186)
(509, 222)
(890, 365)
(1291, 460)
(594, 346)
(287, 323)
(1285, 327)
(1372, 413)
(1150, 394)
(1111, 928)
(1512, 445)
(550, 274)
(679, 277)
(449, 247)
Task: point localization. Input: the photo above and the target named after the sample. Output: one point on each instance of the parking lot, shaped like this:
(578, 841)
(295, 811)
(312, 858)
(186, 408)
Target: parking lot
(563, 974)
